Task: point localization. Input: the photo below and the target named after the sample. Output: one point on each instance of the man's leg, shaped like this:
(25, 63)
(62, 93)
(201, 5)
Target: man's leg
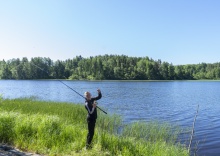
(91, 130)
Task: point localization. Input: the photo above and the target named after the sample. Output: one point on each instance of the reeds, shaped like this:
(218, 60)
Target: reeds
(53, 128)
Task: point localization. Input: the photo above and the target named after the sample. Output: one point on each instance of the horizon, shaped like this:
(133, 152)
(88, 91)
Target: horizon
(177, 32)
(29, 59)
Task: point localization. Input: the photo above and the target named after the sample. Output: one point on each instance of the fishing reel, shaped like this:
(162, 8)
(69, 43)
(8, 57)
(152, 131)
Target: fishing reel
(95, 102)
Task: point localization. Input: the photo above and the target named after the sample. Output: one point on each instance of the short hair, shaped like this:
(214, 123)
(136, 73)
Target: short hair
(86, 93)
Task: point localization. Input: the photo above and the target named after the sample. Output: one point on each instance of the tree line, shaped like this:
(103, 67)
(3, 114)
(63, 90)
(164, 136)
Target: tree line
(106, 67)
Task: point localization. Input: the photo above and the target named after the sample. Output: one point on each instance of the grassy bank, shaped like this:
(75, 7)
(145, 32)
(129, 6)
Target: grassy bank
(53, 128)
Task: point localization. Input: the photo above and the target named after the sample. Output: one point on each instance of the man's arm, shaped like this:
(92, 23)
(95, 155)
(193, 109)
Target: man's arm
(87, 107)
(99, 95)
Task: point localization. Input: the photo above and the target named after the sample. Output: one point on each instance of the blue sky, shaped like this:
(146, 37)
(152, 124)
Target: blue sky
(175, 31)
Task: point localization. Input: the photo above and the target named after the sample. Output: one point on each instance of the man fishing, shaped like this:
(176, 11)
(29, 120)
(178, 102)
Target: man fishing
(90, 105)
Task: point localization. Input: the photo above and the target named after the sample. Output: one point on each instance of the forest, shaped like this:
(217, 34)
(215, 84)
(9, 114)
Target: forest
(105, 67)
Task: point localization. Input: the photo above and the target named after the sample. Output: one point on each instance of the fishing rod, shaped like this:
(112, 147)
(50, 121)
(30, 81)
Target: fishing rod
(68, 87)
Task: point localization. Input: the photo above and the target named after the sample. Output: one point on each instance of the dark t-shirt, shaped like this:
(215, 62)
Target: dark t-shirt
(92, 112)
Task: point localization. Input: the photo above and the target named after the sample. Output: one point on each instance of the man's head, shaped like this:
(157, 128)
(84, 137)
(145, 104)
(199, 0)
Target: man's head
(87, 95)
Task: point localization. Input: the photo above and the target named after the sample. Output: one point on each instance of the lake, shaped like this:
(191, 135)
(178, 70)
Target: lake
(166, 101)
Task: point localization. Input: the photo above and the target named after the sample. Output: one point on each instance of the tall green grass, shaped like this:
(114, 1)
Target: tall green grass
(54, 128)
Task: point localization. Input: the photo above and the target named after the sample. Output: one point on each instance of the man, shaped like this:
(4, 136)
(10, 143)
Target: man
(90, 105)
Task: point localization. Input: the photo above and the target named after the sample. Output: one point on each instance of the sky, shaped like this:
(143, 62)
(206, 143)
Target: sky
(175, 31)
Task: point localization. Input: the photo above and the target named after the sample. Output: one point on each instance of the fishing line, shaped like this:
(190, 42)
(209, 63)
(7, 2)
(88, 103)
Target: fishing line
(68, 86)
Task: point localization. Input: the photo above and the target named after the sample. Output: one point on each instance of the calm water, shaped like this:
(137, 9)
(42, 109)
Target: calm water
(172, 101)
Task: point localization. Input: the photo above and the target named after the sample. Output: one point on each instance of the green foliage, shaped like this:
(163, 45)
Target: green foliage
(1, 98)
(106, 67)
(7, 123)
(52, 128)
(141, 130)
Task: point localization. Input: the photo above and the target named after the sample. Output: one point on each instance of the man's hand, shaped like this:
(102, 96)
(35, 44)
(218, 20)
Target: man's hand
(99, 91)
(94, 105)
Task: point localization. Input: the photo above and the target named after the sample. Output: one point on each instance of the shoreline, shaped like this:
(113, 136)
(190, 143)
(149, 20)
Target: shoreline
(51, 128)
(7, 150)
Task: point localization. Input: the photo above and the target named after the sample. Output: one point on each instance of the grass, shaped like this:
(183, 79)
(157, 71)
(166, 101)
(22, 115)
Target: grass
(54, 128)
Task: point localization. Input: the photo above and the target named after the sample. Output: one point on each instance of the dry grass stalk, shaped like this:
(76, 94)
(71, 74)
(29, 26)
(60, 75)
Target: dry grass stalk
(193, 129)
